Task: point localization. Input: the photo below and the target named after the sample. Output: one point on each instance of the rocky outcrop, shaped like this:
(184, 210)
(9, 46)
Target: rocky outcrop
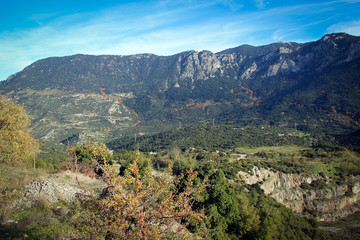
(47, 192)
(328, 204)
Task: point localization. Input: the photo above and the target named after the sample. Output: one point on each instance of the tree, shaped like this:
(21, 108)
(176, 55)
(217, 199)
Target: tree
(138, 206)
(86, 155)
(230, 215)
(16, 144)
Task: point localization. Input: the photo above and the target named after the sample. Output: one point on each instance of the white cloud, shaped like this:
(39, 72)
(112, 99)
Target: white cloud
(352, 27)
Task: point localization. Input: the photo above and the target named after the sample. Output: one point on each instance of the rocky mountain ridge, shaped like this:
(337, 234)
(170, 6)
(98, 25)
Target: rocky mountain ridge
(240, 63)
(308, 86)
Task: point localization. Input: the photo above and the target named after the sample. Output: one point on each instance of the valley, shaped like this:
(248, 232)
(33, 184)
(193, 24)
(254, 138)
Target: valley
(247, 143)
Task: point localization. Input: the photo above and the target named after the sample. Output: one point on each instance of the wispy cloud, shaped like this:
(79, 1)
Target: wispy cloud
(232, 4)
(168, 27)
(352, 27)
(259, 3)
(126, 29)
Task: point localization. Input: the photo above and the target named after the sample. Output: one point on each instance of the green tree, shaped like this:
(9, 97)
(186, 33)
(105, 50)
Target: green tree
(126, 158)
(16, 144)
(230, 215)
(90, 154)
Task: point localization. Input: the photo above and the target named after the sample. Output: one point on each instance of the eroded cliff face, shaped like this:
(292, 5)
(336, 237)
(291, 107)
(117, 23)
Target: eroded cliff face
(327, 204)
(285, 58)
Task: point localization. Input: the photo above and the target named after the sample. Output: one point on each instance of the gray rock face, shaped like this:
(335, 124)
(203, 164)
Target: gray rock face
(48, 192)
(327, 204)
(72, 97)
(125, 73)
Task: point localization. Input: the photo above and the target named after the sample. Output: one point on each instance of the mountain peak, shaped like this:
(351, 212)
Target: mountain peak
(335, 36)
(340, 38)
(283, 83)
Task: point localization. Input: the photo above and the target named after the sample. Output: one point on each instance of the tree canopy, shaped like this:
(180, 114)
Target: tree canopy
(16, 143)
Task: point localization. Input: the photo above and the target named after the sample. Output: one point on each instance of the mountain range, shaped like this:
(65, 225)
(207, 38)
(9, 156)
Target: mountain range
(313, 86)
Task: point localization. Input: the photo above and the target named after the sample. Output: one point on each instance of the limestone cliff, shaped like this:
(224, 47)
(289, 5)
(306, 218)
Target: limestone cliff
(328, 204)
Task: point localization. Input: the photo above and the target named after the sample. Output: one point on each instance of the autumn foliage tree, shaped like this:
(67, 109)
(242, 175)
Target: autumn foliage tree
(16, 144)
(141, 206)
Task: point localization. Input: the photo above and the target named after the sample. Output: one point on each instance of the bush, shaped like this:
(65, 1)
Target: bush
(314, 185)
(141, 207)
(89, 156)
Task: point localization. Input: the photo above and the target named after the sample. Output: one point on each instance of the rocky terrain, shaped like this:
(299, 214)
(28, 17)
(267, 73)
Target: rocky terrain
(65, 186)
(47, 192)
(328, 204)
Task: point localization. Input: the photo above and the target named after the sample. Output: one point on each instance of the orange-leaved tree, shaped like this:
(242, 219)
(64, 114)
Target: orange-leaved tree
(16, 144)
(142, 206)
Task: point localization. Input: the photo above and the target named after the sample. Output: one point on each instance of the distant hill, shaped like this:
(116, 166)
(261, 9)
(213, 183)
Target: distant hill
(313, 86)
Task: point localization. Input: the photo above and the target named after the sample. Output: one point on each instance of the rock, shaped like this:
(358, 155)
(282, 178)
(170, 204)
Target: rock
(327, 204)
(47, 192)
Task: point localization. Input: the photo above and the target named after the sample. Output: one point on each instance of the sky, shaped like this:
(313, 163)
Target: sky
(34, 29)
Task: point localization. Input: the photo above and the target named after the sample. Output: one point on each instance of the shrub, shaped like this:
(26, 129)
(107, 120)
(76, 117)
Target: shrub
(141, 207)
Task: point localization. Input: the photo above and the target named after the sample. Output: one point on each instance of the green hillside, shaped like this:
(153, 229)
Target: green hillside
(308, 87)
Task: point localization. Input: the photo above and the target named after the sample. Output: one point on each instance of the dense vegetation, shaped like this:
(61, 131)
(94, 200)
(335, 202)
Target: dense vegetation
(219, 137)
(227, 209)
(231, 210)
(208, 204)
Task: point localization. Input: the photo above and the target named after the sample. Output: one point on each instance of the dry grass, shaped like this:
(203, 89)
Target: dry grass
(85, 182)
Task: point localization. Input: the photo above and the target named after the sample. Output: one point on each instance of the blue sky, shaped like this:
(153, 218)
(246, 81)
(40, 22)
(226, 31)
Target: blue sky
(31, 29)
